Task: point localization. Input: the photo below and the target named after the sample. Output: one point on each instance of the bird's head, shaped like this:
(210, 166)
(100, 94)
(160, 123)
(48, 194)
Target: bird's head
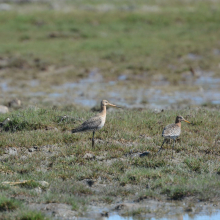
(181, 118)
(105, 103)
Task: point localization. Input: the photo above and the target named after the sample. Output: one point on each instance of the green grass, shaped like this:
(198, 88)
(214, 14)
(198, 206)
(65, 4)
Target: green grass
(134, 43)
(32, 215)
(196, 157)
(7, 204)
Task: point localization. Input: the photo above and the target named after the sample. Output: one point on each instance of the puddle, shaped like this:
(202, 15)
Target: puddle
(94, 77)
(192, 56)
(55, 95)
(213, 216)
(37, 93)
(122, 77)
(4, 86)
(34, 83)
(216, 52)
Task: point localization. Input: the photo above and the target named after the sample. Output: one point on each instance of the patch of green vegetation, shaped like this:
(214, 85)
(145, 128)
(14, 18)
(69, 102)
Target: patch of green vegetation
(114, 168)
(33, 215)
(137, 212)
(31, 184)
(178, 192)
(7, 204)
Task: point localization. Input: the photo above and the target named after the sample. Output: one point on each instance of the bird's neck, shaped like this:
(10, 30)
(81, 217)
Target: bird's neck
(103, 110)
(178, 124)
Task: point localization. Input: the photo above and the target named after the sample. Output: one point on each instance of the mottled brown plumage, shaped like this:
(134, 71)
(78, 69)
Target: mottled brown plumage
(172, 131)
(95, 123)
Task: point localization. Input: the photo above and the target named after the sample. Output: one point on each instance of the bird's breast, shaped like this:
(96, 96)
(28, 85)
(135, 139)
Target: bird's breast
(102, 122)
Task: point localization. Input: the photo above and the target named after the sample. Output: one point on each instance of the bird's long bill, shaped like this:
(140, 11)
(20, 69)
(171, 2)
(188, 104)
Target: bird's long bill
(113, 105)
(186, 121)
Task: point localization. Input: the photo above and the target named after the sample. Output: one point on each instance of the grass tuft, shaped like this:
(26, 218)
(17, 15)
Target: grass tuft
(7, 204)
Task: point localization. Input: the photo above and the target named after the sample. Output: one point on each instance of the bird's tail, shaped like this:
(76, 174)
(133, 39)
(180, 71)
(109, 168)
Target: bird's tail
(75, 130)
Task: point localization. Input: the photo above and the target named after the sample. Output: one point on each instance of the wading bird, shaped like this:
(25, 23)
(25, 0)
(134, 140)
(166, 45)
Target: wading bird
(172, 131)
(95, 123)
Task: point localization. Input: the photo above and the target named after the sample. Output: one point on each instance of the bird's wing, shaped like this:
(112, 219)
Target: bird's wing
(171, 130)
(90, 124)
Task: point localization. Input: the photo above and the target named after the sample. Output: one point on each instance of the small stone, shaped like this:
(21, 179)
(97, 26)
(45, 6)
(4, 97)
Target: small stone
(14, 103)
(43, 183)
(120, 206)
(3, 109)
(38, 190)
(144, 154)
(11, 151)
(89, 156)
(5, 7)
(189, 209)
(88, 182)
(100, 157)
(104, 214)
(99, 141)
(31, 149)
(23, 158)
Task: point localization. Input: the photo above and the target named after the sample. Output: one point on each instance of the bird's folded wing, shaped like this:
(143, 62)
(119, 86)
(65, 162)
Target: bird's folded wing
(90, 124)
(171, 130)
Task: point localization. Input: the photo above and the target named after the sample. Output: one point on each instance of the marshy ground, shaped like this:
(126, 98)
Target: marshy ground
(56, 56)
(37, 145)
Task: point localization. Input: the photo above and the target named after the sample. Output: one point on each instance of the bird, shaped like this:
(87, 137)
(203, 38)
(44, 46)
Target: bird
(5, 122)
(95, 123)
(172, 131)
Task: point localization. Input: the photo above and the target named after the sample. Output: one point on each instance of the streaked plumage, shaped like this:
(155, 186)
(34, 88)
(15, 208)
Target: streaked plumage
(172, 131)
(95, 123)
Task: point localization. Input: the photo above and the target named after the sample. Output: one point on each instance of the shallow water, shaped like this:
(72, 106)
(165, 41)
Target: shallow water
(213, 216)
(92, 88)
(200, 87)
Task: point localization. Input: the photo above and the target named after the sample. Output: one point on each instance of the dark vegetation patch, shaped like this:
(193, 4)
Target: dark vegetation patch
(33, 215)
(7, 204)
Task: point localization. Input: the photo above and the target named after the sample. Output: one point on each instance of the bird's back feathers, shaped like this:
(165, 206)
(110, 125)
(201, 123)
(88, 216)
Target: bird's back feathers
(171, 131)
(91, 124)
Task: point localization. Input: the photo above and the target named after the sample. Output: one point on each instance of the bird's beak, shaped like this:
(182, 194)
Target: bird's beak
(186, 121)
(113, 105)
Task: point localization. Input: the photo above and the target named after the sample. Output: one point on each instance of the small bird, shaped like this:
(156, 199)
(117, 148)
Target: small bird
(95, 123)
(5, 122)
(172, 131)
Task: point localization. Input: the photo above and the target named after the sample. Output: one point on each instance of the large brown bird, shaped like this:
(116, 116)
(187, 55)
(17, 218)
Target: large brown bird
(95, 123)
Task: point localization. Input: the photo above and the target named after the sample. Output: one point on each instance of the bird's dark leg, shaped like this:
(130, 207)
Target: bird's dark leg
(93, 141)
(161, 146)
(173, 146)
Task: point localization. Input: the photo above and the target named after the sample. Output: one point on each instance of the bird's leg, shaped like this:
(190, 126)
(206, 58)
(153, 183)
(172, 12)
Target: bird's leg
(161, 146)
(173, 146)
(93, 142)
